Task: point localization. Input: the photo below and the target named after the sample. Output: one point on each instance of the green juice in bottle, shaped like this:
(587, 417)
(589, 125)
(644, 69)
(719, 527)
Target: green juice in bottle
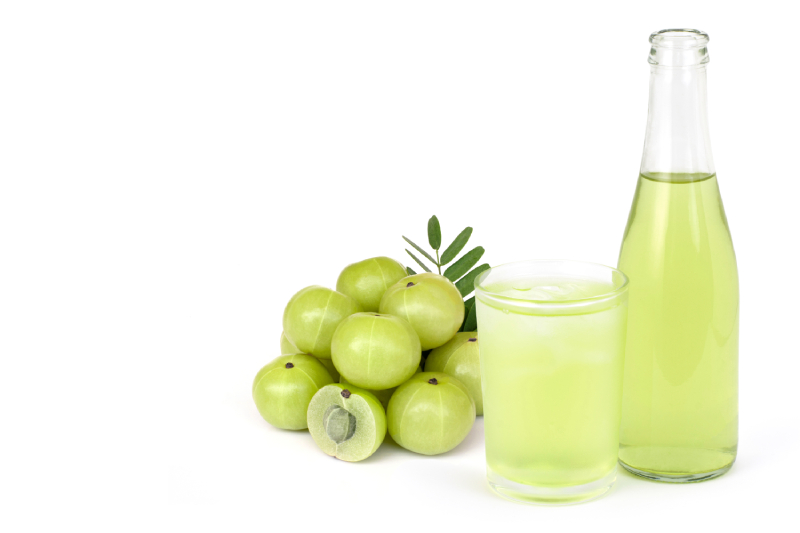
(680, 386)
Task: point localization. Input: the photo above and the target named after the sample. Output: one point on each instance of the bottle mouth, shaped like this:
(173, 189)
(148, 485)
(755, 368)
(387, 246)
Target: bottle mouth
(680, 38)
(678, 48)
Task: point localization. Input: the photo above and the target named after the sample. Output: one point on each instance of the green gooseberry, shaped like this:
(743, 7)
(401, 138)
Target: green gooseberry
(288, 348)
(431, 304)
(459, 358)
(346, 422)
(375, 351)
(367, 280)
(283, 389)
(311, 317)
(431, 413)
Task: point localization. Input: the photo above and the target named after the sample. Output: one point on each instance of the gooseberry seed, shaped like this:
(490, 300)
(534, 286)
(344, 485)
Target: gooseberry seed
(346, 393)
(433, 381)
(339, 424)
(289, 365)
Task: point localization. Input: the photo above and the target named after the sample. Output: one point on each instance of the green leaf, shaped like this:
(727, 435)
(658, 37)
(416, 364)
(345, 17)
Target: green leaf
(471, 322)
(410, 270)
(420, 263)
(420, 250)
(468, 304)
(467, 284)
(434, 233)
(462, 266)
(456, 246)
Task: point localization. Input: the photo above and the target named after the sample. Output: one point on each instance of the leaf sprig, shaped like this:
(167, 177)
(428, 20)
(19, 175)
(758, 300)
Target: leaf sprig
(461, 272)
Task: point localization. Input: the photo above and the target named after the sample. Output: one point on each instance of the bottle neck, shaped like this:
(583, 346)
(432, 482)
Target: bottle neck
(677, 139)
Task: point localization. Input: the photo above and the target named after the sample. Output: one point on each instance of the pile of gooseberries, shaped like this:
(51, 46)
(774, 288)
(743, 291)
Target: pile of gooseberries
(381, 353)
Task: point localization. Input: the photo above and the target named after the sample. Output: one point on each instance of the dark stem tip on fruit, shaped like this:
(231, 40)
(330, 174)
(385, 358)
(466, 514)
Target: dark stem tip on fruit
(346, 393)
(433, 381)
(289, 365)
(473, 339)
(410, 284)
(377, 315)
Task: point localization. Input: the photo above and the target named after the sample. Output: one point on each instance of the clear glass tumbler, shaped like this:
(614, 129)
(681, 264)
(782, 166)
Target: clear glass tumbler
(552, 347)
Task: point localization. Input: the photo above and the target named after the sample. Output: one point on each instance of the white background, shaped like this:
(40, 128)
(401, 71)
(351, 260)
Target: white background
(172, 172)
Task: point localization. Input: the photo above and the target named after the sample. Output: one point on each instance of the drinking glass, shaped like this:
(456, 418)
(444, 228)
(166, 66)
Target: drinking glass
(552, 347)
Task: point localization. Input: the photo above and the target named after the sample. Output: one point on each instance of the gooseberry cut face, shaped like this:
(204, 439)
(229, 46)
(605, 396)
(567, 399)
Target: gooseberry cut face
(346, 422)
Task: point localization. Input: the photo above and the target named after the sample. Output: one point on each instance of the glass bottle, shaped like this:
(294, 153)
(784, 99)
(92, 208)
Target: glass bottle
(680, 391)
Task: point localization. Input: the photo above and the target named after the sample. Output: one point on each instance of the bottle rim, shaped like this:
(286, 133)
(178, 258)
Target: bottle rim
(682, 38)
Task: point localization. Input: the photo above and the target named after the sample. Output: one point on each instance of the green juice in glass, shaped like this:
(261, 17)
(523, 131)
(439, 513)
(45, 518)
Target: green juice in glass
(680, 389)
(552, 352)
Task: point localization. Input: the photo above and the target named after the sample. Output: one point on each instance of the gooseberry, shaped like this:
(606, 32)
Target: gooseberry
(431, 413)
(431, 304)
(375, 351)
(283, 389)
(367, 280)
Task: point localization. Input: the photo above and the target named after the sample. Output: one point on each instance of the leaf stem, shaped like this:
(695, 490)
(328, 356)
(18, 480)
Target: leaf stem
(438, 263)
